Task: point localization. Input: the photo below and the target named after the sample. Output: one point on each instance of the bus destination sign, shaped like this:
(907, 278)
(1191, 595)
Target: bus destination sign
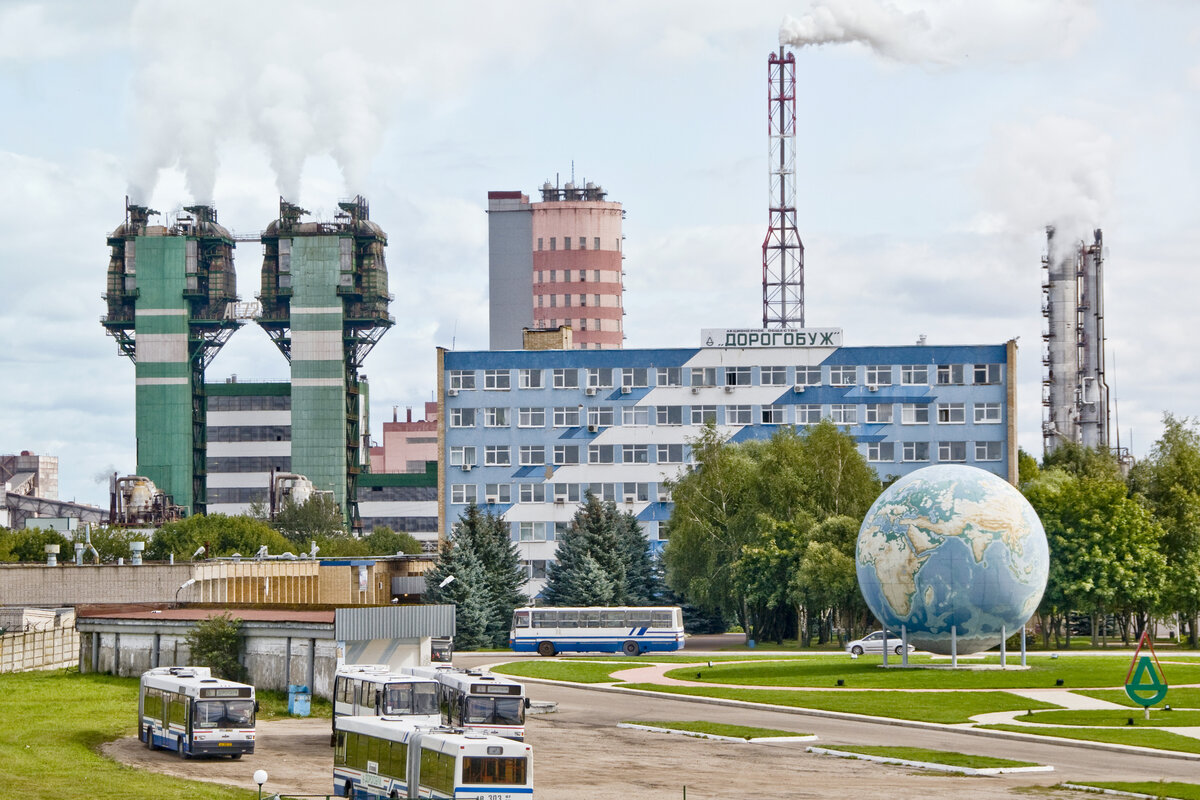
(494, 688)
(233, 691)
(755, 337)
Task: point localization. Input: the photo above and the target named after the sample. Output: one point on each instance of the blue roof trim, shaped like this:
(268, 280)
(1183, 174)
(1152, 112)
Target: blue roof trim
(525, 472)
(655, 512)
(921, 354)
(346, 562)
(544, 359)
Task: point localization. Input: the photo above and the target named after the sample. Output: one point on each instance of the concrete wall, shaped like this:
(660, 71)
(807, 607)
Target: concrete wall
(67, 584)
(53, 648)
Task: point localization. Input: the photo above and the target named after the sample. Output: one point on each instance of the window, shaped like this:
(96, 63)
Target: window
(533, 492)
(566, 416)
(532, 455)
(553, 300)
(636, 377)
(987, 412)
(879, 376)
(604, 491)
(535, 569)
(463, 493)
(670, 376)
(704, 376)
(497, 379)
(808, 414)
(915, 451)
(596, 243)
(462, 456)
(988, 451)
(496, 417)
(808, 376)
(601, 454)
(949, 374)
(635, 454)
(773, 415)
(601, 416)
(600, 377)
(842, 375)
(497, 455)
(567, 245)
(952, 451)
(531, 418)
(772, 376)
(639, 492)
(669, 415)
(462, 418)
(951, 414)
(843, 414)
(553, 246)
(635, 415)
(531, 531)
(529, 378)
(582, 246)
(737, 376)
(670, 454)
(738, 415)
(566, 493)
(987, 373)
(462, 379)
(497, 493)
(879, 414)
(914, 414)
(566, 454)
(704, 414)
(914, 375)
(566, 379)
(539, 243)
(881, 451)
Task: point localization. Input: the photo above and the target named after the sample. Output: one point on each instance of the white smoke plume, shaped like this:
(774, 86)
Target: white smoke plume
(948, 32)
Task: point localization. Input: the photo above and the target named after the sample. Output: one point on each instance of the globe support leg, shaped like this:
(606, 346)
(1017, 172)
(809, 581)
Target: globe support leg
(1022, 645)
(954, 645)
(885, 645)
(1003, 647)
(904, 645)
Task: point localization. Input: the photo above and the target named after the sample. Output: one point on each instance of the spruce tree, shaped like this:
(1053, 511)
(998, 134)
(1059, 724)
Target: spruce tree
(467, 593)
(592, 536)
(641, 581)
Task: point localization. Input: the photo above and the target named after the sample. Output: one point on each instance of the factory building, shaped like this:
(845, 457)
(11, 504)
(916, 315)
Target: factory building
(249, 435)
(556, 263)
(407, 445)
(527, 432)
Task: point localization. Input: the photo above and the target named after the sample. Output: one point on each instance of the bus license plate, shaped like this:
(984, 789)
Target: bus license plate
(224, 744)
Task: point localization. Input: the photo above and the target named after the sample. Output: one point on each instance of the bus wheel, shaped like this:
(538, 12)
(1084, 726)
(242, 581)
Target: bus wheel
(546, 649)
(182, 752)
(630, 648)
(149, 737)
(235, 756)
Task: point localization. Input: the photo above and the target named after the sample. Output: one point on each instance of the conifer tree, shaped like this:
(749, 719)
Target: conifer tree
(592, 544)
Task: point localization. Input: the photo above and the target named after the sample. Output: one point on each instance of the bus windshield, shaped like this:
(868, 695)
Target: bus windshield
(410, 698)
(224, 714)
(495, 710)
(493, 770)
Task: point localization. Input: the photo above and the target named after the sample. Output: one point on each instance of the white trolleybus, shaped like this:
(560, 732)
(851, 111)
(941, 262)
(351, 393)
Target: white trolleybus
(187, 710)
(376, 758)
(375, 690)
(478, 702)
(632, 630)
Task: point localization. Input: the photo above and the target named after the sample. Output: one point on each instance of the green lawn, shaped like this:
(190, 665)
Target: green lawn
(273, 705)
(864, 673)
(51, 724)
(577, 671)
(1182, 791)
(943, 757)
(945, 707)
(1176, 698)
(1115, 718)
(1143, 737)
(719, 729)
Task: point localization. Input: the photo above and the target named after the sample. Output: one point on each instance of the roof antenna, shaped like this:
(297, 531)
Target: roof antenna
(454, 336)
(572, 170)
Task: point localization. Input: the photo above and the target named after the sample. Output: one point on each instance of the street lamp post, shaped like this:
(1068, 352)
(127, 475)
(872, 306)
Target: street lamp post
(260, 777)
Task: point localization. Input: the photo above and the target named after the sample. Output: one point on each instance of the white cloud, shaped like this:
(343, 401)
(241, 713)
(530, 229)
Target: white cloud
(42, 31)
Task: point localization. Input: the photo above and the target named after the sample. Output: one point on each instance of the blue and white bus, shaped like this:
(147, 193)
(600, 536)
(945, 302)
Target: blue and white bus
(630, 630)
(376, 758)
(375, 690)
(477, 701)
(187, 710)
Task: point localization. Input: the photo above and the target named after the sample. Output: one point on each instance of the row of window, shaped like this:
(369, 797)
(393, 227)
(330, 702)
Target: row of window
(568, 300)
(534, 455)
(947, 452)
(250, 403)
(637, 377)
(249, 463)
(250, 433)
(502, 493)
(378, 494)
(581, 275)
(581, 242)
(776, 414)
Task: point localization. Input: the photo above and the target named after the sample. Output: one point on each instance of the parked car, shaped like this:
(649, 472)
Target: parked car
(873, 643)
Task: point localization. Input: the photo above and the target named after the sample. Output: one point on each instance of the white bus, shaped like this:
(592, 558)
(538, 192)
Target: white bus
(373, 757)
(374, 690)
(478, 702)
(187, 710)
(629, 630)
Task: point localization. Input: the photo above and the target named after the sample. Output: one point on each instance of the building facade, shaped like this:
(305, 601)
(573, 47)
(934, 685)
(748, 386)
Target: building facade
(249, 435)
(555, 263)
(528, 433)
(408, 445)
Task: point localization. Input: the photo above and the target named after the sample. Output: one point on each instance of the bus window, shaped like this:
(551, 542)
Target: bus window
(662, 619)
(477, 770)
(397, 699)
(545, 619)
(612, 618)
(425, 699)
(521, 619)
(639, 617)
(589, 619)
(568, 619)
(510, 711)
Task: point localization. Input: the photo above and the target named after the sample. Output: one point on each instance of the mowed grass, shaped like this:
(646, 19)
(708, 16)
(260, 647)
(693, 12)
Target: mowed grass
(1115, 718)
(719, 729)
(1143, 737)
(1176, 698)
(1172, 789)
(576, 671)
(51, 724)
(945, 707)
(864, 673)
(945, 758)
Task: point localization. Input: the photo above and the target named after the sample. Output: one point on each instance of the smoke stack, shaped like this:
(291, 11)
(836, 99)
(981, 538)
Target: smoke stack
(410, 413)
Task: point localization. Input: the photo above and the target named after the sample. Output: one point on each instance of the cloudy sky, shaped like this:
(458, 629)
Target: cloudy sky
(936, 140)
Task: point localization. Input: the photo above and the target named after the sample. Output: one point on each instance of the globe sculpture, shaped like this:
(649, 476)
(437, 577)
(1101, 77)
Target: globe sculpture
(954, 556)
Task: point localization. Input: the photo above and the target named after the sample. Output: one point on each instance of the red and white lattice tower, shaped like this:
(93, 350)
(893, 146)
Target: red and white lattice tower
(783, 252)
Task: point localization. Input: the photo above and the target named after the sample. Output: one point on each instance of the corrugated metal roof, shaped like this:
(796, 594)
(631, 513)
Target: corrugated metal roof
(393, 622)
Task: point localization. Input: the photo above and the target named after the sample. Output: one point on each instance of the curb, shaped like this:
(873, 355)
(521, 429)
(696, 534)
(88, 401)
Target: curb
(927, 764)
(718, 737)
(1100, 790)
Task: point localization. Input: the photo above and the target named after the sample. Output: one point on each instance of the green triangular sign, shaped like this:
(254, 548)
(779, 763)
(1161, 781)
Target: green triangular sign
(1147, 687)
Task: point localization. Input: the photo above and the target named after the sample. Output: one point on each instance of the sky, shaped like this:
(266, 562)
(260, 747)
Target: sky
(935, 141)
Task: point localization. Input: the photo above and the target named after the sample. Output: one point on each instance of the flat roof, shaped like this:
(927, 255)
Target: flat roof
(142, 611)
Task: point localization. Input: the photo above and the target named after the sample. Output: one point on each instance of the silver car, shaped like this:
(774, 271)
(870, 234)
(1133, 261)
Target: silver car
(873, 643)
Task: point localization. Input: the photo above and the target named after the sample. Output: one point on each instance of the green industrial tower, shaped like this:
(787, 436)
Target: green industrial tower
(325, 305)
(170, 291)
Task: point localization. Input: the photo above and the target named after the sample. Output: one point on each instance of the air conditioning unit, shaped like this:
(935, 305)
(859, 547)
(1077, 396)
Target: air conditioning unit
(558, 501)
(591, 428)
(452, 392)
(626, 389)
(664, 497)
(590, 391)
(491, 498)
(728, 390)
(629, 498)
(799, 388)
(695, 390)
(872, 388)
(467, 467)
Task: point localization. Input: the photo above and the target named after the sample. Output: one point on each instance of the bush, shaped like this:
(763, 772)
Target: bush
(216, 643)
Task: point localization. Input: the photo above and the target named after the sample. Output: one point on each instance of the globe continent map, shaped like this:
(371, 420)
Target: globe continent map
(952, 547)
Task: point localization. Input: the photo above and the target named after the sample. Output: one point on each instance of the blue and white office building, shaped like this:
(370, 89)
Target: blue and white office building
(527, 432)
